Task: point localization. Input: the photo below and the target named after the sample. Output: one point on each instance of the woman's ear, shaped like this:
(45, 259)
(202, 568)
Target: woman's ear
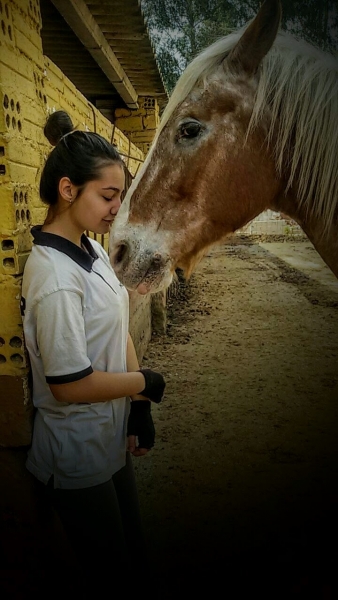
(67, 189)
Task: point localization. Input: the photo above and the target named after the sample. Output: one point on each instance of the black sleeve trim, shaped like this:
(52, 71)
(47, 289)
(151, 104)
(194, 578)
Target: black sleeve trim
(71, 377)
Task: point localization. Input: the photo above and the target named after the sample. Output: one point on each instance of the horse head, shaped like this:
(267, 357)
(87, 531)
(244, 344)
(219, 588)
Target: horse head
(205, 175)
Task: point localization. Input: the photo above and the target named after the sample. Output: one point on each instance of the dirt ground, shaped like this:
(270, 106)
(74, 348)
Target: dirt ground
(240, 493)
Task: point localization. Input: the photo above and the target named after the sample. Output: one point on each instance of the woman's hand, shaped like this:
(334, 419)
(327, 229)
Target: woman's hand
(140, 428)
(133, 448)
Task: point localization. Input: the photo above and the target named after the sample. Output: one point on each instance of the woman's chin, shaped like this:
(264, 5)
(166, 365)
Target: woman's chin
(104, 227)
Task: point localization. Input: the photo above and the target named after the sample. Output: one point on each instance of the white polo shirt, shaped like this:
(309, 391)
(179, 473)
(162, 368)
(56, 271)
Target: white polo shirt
(76, 320)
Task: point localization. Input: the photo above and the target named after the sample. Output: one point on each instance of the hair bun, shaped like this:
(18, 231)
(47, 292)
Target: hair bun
(58, 124)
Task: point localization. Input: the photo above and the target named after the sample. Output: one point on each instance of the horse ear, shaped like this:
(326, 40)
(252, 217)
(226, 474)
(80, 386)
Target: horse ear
(256, 40)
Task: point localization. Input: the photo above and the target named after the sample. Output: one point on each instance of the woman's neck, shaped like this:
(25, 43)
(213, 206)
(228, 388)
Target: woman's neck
(65, 230)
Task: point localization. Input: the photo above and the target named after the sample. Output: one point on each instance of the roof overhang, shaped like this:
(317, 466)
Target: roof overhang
(104, 48)
(81, 21)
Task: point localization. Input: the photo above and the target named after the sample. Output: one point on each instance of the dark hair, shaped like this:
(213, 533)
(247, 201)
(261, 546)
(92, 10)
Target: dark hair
(79, 155)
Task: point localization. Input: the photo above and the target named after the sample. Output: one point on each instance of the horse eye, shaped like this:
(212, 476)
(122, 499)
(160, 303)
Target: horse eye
(189, 130)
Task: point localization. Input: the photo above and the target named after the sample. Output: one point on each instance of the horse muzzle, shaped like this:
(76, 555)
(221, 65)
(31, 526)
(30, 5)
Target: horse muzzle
(140, 267)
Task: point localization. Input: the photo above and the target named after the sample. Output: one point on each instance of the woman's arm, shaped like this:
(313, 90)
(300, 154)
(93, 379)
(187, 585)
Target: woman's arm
(132, 360)
(133, 364)
(99, 386)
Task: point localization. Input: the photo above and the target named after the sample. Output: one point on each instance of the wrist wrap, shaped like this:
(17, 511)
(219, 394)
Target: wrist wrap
(155, 385)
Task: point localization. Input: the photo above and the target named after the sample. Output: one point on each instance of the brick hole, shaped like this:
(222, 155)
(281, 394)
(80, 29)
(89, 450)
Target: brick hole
(34, 10)
(8, 263)
(34, 76)
(12, 104)
(17, 216)
(2, 341)
(23, 215)
(7, 11)
(10, 33)
(21, 197)
(26, 197)
(37, 92)
(18, 107)
(149, 103)
(17, 358)
(44, 99)
(28, 215)
(2, 151)
(40, 95)
(13, 123)
(3, 27)
(19, 126)
(8, 120)
(16, 198)
(7, 245)
(2, 358)
(6, 101)
(0, 8)
(2, 170)
(42, 83)
(30, 5)
(15, 342)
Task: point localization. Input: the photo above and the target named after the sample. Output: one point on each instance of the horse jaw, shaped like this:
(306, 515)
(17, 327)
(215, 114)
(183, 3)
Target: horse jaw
(144, 257)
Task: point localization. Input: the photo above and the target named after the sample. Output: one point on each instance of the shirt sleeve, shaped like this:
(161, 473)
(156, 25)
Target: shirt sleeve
(61, 337)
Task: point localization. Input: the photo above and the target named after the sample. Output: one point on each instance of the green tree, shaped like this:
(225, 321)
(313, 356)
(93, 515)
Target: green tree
(314, 20)
(180, 29)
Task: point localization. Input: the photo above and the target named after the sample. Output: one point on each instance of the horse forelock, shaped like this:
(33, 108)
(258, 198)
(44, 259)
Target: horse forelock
(299, 84)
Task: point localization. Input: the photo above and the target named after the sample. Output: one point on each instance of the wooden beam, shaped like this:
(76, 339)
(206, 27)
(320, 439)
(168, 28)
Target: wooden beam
(81, 21)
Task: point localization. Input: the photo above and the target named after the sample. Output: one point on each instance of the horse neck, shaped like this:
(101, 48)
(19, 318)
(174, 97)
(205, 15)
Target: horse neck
(325, 241)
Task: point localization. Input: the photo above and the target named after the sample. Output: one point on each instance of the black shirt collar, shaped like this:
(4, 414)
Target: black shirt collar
(81, 257)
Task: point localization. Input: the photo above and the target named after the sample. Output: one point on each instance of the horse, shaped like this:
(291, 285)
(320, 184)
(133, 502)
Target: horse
(251, 125)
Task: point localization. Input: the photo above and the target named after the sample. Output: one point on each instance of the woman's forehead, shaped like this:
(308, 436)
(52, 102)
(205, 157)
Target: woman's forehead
(111, 176)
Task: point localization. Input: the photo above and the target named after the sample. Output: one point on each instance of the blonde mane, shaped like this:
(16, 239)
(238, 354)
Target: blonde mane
(300, 85)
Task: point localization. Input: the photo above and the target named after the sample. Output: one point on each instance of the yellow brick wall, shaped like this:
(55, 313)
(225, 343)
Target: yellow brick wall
(140, 126)
(31, 86)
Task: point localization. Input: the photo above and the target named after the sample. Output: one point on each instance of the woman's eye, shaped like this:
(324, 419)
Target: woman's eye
(108, 199)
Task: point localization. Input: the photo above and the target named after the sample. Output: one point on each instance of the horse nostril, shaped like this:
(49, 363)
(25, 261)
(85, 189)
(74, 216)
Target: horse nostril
(121, 254)
(156, 260)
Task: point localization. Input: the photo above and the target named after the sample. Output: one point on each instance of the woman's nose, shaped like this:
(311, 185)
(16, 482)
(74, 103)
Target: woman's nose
(116, 206)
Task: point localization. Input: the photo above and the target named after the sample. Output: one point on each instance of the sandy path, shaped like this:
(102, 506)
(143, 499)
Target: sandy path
(243, 481)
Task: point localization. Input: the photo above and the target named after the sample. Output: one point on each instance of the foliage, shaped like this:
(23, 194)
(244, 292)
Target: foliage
(315, 21)
(180, 29)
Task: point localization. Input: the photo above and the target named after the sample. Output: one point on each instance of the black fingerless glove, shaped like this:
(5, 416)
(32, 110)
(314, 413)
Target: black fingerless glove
(140, 423)
(155, 385)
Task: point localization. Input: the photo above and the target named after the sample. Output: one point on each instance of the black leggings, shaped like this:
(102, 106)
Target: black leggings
(103, 525)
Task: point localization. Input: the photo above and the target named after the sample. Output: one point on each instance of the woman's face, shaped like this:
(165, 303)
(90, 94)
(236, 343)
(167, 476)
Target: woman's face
(97, 204)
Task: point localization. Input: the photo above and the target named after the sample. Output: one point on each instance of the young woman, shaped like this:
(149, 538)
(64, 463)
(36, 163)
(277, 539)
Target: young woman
(83, 361)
